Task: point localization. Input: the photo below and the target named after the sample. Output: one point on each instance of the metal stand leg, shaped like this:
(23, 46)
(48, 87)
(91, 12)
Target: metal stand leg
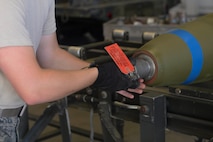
(110, 132)
(65, 126)
(152, 117)
(57, 107)
(119, 124)
(65, 122)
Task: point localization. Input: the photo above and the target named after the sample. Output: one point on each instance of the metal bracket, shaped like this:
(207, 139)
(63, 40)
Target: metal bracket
(153, 117)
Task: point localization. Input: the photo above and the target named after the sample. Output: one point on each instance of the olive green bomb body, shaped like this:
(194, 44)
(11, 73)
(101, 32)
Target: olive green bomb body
(181, 56)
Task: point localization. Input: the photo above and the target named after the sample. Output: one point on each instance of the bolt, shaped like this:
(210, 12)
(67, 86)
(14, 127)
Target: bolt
(144, 109)
(89, 91)
(178, 91)
(104, 94)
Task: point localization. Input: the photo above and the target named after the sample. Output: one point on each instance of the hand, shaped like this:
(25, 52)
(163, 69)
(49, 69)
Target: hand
(112, 79)
(138, 90)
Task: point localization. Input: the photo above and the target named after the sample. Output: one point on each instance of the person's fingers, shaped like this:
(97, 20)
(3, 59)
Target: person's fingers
(137, 90)
(125, 94)
(142, 85)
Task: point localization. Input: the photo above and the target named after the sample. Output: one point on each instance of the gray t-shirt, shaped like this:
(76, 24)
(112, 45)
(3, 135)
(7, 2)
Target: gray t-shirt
(22, 23)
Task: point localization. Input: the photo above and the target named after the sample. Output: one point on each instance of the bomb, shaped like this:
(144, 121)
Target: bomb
(180, 56)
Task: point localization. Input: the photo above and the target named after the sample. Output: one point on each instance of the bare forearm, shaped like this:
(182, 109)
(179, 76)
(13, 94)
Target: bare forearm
(50, 55)
(37, 85)
(54, 84)
(65, 61)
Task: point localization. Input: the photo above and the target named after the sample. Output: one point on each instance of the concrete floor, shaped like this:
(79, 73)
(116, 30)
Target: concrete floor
(80, 118)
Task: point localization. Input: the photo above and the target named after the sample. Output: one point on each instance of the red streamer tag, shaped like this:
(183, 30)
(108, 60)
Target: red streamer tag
(120, 58)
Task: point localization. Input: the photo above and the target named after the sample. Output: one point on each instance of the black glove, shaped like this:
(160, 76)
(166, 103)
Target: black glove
(111, 78)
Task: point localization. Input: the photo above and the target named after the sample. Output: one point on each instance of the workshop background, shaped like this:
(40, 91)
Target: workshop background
(82, 22)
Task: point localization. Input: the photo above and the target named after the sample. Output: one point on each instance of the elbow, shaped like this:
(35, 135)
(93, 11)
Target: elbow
(32, 97)
(30, 100)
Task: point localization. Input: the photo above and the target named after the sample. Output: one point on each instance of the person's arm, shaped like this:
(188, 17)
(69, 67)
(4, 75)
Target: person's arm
(34, 83)
(50, 55)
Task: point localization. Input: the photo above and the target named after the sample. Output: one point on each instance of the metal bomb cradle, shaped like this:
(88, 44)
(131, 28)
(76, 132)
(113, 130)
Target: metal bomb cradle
(179, 95)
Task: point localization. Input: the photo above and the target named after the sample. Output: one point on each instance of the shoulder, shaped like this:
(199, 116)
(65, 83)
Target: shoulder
(11, 9)
(12, 23)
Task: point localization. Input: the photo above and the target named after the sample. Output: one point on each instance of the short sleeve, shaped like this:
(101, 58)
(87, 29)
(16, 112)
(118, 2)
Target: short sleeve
(50, 24)
(13, 31)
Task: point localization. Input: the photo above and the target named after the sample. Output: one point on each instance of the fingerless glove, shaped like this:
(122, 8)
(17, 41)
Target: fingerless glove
(111, 78)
